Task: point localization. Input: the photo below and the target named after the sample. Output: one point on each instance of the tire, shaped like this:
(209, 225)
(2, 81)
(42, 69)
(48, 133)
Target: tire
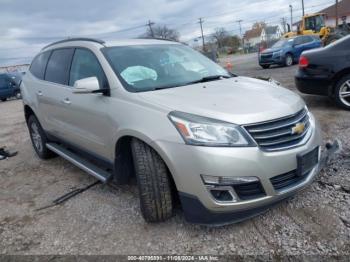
(18, 95)
(3, 99)
(153, 183)
(288, 60)
(265, 66)
(38, 138)
(342, 98)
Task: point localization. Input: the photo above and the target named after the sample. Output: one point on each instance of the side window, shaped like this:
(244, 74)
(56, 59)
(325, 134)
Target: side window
(57, 70)
(37, 68)
(85, 64)
(298, 40)
(308, 39)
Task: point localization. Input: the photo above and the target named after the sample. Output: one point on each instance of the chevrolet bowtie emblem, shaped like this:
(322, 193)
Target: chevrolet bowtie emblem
(298, 129)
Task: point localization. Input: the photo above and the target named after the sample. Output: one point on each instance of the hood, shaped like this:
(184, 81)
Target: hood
(238, 100)
(271, 50)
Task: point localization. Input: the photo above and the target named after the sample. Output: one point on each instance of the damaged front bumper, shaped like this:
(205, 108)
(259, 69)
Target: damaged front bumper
(195, 212)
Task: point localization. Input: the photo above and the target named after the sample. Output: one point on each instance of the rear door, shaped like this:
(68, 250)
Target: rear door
(55, 91)
(299, 46)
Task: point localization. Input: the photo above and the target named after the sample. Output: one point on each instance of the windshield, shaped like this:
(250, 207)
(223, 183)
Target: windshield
(150, 67)
(282, 43)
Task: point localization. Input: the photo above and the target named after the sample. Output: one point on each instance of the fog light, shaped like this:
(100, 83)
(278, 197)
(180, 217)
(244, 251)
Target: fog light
(222, 193)
(225, 180)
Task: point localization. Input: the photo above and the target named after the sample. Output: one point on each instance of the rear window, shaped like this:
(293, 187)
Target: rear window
(38, 65)
(57, 70)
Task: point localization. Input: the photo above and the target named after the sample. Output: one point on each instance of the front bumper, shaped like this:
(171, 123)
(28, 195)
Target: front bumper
(187, 163)
(271, 60)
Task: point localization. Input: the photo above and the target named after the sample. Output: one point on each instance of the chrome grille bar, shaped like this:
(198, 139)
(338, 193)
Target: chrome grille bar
(278, 134)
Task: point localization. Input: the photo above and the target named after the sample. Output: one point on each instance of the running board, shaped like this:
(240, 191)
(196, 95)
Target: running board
(78, 161)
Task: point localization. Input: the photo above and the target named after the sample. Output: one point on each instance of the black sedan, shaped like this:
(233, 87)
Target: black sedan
(326, 71)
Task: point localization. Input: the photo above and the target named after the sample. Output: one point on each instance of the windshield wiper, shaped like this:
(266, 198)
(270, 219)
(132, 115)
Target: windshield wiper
(208, 79)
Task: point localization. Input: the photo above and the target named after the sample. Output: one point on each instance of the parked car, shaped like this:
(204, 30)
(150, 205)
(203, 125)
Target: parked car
(287, 51)
(228, 147)
(8, 87)
(327, 72)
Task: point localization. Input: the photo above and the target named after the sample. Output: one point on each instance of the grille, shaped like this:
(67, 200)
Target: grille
(266, 56)
(277, 134)
(248, 191)
(287, 180)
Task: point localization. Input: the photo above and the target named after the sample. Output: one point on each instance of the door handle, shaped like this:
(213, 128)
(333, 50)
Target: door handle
(66, 101)
(40, 93)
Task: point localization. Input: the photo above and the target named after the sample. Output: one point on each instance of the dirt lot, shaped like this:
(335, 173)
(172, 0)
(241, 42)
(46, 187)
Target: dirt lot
(104, 220)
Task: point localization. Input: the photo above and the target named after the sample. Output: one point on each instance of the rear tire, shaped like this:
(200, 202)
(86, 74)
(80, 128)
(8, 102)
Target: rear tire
(153, 183)
(39, 139)
(342, 92)
(265, 66)
(288, 60)
(3, 99)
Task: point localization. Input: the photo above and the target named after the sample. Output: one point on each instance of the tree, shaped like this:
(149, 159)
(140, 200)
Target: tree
(163, 32)
(220, 35)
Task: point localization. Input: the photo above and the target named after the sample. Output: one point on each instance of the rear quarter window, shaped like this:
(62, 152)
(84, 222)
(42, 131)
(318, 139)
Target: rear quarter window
(57, 70)
(38, 65)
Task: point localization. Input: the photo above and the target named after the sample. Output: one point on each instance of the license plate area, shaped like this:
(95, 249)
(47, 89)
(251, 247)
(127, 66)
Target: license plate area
(307, 161)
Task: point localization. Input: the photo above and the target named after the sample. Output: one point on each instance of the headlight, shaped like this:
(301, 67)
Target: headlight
(202, 131)
(278, 53)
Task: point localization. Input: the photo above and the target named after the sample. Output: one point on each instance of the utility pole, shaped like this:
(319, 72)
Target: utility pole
(201, 24)
(284, 24)
(291, 17)
(149, 24)
(240, 32)
(336, 13)
(302, 2)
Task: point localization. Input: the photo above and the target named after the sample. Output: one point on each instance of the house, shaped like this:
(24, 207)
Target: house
(271, 33)
(252, 37)
(343, 11)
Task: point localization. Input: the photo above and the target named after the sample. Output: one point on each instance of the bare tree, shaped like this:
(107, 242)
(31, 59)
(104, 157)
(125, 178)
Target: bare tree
(163, 32)
(220, 35)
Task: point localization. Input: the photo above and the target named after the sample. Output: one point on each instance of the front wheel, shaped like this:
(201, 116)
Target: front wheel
(18, 95)
(38, 137)
(3, 99)
(153, 183)
(265, 66)
(288, 60)
(342, 92)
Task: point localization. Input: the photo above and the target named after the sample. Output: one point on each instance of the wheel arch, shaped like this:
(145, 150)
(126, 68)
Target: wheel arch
(123, 157)
(28, 111)
(337, 77)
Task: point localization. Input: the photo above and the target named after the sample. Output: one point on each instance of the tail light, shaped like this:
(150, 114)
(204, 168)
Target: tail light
(303, 62)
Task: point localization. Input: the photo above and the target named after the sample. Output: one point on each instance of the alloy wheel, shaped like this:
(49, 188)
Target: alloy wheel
(344, 93)
(36, 137)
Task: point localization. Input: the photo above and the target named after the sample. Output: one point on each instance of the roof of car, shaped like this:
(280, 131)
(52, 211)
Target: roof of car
(119, 42)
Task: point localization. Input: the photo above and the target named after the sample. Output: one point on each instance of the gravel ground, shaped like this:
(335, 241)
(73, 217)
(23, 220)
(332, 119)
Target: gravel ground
(106, 220)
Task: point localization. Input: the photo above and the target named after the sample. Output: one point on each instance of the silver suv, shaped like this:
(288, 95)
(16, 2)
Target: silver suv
(227, 147)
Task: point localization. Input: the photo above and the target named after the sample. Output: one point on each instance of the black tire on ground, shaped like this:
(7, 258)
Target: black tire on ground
(341, 92)
(153, 183)
(289, 60)
(39, 139)
(265, 66)
(3, 99)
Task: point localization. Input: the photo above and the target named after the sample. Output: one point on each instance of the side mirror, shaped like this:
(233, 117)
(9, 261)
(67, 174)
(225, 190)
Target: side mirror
(86, 86)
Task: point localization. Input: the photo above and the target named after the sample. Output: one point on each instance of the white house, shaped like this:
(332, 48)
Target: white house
(271, 33)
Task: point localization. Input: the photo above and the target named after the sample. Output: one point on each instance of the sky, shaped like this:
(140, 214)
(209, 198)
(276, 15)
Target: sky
(28, 25)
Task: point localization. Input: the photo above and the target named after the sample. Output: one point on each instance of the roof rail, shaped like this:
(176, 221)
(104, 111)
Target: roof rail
(75, 39)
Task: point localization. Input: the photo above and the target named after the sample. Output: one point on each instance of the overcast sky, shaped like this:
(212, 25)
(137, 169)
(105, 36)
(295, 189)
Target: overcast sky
(27, 25)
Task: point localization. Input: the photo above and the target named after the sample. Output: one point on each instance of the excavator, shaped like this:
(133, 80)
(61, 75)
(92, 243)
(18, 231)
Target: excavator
(314, 24)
